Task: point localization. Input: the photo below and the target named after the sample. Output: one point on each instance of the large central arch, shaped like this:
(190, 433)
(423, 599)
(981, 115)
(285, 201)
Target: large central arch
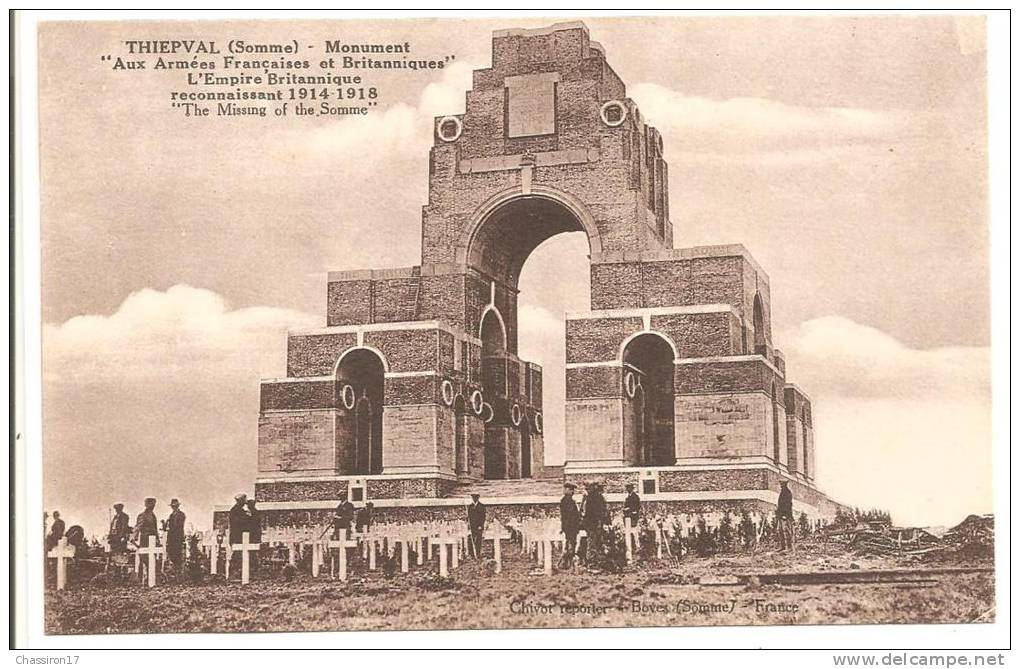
(497, 242)
(507, 228)
(532, 218)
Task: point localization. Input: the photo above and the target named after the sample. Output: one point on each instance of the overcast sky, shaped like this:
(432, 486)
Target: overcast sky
(848, 155)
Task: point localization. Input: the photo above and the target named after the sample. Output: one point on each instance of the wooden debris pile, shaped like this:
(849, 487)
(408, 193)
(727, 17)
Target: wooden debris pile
(973, 537)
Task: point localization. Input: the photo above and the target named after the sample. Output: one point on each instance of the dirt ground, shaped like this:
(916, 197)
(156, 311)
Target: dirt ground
(648, 593)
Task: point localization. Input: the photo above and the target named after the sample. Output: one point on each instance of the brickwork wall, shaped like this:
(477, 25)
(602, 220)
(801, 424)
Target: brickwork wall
(598, 339)
(701, 335)
(726, 376)
(316, 355)
(297, 395)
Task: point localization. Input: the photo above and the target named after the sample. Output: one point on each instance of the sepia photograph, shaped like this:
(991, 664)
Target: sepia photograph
(510, 322)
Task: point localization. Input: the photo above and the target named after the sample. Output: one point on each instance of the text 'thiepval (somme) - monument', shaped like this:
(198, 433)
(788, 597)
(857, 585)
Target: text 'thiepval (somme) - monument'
(413, 394)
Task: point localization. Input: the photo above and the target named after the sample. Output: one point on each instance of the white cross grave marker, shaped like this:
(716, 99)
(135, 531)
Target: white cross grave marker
(152, 551)
(245, 548)
(342, 544)
(62, 551)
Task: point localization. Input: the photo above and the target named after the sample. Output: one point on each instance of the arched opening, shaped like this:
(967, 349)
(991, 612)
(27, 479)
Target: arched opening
(648, 372)
(760, 347)
(535, 251)
(360, 379)
(776, 409)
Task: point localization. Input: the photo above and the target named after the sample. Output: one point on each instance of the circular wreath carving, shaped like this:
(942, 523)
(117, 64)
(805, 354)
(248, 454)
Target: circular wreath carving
(477, 402)
(516, 415)
(449, 128)
(630, 384)
(447, 390)
(347, 396)
(613, 113)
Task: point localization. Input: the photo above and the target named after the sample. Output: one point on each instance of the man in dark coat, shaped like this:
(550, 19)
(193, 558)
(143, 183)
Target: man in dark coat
(237, 519)
(476, 523)
(632, 506)
(595, 515)
(175, 534)
(56, 532)
(570, 524)
(342, 520)
(784, 517)
(146, 525)
(120, 529)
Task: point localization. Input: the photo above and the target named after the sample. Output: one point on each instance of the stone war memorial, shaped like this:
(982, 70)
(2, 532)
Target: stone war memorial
(412, 394)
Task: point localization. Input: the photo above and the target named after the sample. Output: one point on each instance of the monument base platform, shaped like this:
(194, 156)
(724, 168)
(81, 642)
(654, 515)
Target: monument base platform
(706, 488)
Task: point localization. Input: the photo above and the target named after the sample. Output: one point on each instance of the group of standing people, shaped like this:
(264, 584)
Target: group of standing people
(146, 529)
(347, 517)
(590, 514)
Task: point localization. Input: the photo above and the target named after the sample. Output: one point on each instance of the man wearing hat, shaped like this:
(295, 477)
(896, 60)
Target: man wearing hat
(476, 523)
(120, 529)
(632, 506)
(570, 524)
(145, 524)
(175, 534)
(237, 520)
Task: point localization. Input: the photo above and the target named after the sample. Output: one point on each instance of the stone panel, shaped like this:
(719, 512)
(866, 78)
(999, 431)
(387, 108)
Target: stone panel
(409, 439)
(594, 431)
(297, 441)
(723, 425)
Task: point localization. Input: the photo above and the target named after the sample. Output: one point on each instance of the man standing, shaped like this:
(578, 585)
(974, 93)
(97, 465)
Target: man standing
(120, 529)
(56, 532)
(238, 525)
(632, 506)
(476, 523)
(343, 517)
(146, 525)
(570, 524)
(784, 514)
(595, 512)
(237, 519)
(175, 534)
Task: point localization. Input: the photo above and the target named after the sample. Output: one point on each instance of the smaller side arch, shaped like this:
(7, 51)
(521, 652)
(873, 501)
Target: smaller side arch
(491, 308)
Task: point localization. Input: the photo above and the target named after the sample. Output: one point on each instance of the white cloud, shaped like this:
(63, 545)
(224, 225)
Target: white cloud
(854, 360)
(158, 398)
(895, 427)
(752, 125)
(152, 333)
